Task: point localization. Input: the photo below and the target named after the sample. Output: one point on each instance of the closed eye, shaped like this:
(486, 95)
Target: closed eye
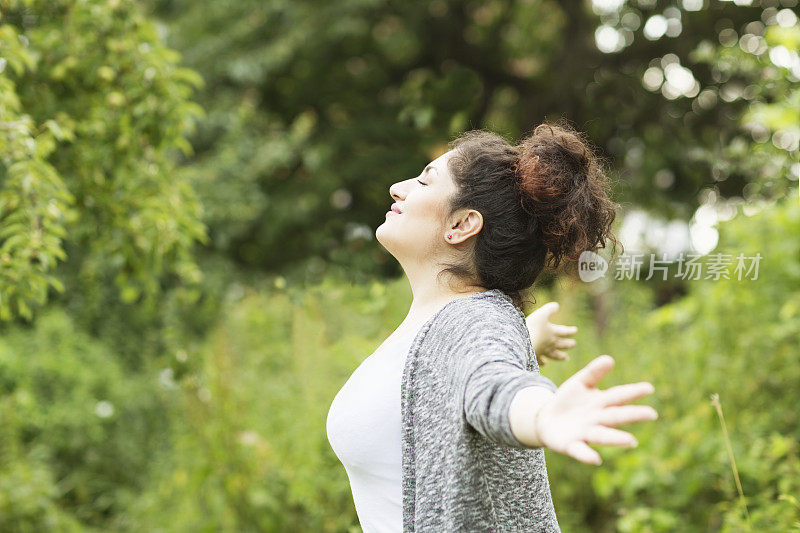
(421, 183)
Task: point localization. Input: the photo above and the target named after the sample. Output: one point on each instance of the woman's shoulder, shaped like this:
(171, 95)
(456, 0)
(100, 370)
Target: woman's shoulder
(485, 306)
(483, 326)
(488, 314)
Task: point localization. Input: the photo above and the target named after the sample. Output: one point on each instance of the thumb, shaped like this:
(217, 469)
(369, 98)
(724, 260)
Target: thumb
(549, 308)
(591, 374)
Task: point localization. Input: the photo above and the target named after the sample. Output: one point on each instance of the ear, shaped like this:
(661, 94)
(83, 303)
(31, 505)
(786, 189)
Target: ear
(468, 223)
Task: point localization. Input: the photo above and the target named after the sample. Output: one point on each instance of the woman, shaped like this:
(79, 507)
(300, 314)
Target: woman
(443, 427)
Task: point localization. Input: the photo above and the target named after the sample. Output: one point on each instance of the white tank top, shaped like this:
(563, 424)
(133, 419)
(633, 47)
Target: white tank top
(364, 430)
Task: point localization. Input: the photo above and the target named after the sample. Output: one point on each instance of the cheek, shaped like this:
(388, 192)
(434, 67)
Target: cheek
(428, 225)
(426, 214)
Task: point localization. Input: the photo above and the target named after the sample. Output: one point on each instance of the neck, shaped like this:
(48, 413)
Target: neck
(429, 295)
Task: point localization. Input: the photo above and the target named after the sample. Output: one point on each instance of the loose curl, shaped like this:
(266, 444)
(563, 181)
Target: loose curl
(543, 201)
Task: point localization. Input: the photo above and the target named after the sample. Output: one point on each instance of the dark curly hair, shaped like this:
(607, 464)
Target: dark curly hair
(543, 201)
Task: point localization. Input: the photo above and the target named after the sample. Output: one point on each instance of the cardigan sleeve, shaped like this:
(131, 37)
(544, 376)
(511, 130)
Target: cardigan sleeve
(492, 370)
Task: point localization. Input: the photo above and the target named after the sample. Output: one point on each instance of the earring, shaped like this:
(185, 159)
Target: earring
(449, 236)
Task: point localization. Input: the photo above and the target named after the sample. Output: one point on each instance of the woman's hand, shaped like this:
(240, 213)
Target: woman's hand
(579, 413)
(549, 339)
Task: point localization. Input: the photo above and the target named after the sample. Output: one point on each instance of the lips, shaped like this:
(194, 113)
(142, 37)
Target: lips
(396, 209)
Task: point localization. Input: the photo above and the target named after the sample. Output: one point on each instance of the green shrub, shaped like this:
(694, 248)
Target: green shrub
(78, 433)
(735, 338)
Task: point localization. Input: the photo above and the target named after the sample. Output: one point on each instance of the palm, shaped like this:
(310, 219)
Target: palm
(579, 413)
(549, 340)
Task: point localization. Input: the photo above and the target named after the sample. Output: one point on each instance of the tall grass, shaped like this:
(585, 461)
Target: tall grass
(718, 406)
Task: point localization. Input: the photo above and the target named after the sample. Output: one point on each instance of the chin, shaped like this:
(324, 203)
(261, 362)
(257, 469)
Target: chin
(382, 231)
(379, 232)
(383, 238)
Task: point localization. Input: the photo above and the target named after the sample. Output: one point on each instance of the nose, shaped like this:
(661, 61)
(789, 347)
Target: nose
(394, 191)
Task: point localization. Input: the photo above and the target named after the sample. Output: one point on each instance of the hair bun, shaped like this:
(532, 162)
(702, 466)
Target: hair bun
(562, 186)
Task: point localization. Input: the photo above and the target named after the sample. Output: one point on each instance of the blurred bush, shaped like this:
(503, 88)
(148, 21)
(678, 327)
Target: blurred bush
(737, 338)
(94, 109)
(251, 452)
(78, 434)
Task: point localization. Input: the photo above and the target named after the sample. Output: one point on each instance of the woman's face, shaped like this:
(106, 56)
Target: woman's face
(418, 234)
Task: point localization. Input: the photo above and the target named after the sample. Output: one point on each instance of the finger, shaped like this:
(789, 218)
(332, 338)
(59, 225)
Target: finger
(557, 354)
(541, 360)
(565, 344)
(582, 452)
(628, 414)
(609, 437)
(564, 331)
(549, 308)
(622, 394)
(594, 371)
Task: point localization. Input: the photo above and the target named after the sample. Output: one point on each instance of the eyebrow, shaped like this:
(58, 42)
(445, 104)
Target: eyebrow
(430, 167)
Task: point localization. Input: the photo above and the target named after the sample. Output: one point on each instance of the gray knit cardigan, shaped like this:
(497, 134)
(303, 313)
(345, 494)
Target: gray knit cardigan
(463, 469)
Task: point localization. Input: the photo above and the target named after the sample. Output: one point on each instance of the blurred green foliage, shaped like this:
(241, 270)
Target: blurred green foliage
(93, 108)
(169, 390)
(239, 444)
(736, 338)
(315, 108)
(79, 434)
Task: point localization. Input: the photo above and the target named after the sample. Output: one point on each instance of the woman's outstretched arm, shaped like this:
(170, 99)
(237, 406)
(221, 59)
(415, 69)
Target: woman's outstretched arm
(579, 414)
